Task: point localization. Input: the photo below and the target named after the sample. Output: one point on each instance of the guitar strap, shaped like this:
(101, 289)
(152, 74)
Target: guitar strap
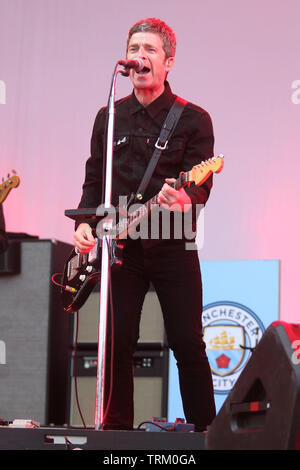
(160, 145)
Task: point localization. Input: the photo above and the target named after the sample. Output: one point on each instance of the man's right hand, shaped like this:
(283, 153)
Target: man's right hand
(83, 238)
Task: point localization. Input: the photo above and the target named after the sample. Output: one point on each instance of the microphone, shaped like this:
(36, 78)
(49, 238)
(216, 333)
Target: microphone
(136, 64)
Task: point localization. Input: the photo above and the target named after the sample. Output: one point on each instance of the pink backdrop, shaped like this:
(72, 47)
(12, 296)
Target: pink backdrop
(239, 60)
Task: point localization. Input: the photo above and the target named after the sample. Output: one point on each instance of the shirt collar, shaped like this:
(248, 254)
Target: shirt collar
(163, 102)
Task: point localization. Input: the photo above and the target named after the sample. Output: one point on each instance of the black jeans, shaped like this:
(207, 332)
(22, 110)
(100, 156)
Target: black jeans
(175, 275)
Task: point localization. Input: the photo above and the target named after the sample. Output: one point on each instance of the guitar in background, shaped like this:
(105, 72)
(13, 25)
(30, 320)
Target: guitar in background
(5, 188)
(7, 185)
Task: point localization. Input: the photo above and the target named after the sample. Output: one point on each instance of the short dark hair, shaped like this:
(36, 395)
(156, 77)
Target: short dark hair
(154, 25)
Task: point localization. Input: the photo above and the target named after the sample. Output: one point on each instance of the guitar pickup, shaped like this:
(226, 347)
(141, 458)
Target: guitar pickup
(81, 260)
(93, 254)
(75, 264)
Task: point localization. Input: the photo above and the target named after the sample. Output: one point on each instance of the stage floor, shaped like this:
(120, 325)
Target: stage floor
(52, 438)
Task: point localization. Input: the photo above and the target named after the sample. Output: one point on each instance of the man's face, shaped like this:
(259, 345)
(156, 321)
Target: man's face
(149, 48)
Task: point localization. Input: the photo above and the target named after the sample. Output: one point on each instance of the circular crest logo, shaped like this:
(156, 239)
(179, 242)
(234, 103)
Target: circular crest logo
(231, 332)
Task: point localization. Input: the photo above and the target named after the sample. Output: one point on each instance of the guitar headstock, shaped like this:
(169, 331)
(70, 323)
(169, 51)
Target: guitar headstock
(7, 185)
(199, 173)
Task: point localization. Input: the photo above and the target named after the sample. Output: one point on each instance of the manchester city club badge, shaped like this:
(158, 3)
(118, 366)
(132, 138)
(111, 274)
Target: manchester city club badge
(231, 332)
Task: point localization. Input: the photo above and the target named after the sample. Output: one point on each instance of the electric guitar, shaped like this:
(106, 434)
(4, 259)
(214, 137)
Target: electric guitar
(7, 186)
(82, 271)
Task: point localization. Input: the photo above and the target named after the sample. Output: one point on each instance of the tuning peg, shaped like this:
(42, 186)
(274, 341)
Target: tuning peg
(14, 172)
(8, 175)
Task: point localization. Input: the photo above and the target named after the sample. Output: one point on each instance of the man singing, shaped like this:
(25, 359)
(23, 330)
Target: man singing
(165, 262)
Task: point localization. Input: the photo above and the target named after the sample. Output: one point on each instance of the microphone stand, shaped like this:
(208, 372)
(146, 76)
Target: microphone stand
(105, 261)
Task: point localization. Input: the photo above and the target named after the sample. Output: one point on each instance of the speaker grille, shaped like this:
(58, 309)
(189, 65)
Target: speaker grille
(148, 393)
(151, 326)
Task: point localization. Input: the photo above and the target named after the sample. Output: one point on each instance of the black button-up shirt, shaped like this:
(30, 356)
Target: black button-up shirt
(136, 131)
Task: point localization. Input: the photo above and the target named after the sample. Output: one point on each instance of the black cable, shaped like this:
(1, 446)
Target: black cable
(67, 443)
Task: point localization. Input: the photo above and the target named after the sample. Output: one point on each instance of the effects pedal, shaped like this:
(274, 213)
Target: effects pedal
(162, 425)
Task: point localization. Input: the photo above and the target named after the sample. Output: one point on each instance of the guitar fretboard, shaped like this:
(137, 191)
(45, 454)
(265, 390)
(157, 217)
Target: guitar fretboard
(134, 218)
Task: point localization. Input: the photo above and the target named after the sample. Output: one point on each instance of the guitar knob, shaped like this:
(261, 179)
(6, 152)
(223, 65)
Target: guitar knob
(89, 269)
(82, 277)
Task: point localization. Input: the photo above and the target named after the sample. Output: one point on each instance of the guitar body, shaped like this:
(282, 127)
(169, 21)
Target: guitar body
(82, 272)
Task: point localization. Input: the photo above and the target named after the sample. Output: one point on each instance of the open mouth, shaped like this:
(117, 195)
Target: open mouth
(144, 71)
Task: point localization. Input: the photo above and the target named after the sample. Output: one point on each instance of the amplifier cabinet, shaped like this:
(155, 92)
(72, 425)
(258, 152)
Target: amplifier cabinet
(150, 385)
(151, 363)
(151, 326)
(35, 336)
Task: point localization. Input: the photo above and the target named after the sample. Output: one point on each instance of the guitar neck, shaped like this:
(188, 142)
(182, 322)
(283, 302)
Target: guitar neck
(134, 218)
(198, 174)
(7, 186)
